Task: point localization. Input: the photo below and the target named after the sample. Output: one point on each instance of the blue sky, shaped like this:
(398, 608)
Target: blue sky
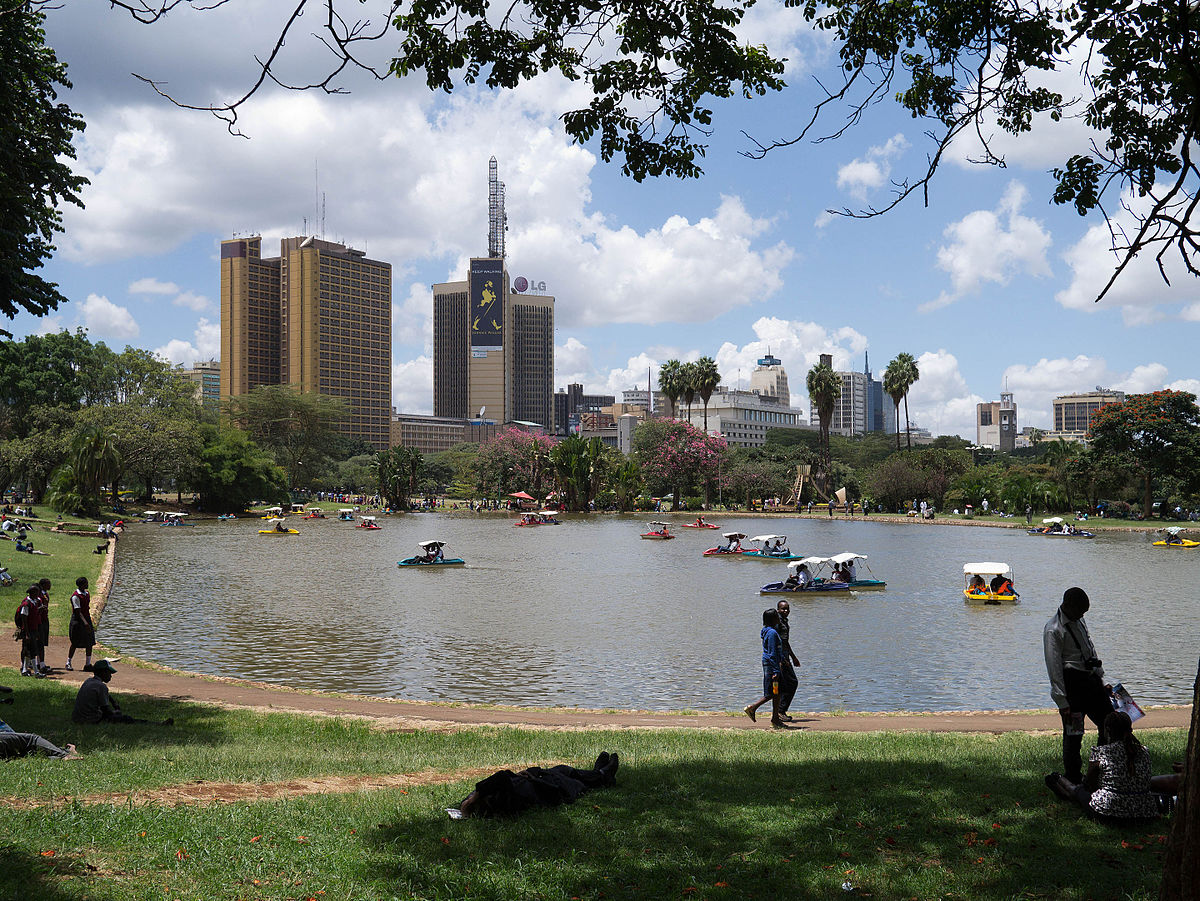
(990, 285)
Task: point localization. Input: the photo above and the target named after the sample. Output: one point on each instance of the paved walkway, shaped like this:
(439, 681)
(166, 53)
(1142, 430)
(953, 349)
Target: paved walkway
(160, 683)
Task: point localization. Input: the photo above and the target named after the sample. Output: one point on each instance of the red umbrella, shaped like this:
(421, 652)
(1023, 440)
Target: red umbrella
(522, 495)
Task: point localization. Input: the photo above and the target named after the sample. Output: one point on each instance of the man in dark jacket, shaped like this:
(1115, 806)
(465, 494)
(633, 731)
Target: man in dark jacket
(507, 793)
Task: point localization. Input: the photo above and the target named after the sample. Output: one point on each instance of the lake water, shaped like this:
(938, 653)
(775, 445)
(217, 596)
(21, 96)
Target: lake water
(587, 614)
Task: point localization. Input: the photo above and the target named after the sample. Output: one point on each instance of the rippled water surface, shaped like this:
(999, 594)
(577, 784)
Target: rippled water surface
(587, 614)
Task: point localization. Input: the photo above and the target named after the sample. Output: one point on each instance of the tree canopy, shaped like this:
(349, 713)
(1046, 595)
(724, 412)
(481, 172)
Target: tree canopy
(35, 144)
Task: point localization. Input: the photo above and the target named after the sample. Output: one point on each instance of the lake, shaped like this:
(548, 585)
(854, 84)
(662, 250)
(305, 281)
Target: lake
(587, 614)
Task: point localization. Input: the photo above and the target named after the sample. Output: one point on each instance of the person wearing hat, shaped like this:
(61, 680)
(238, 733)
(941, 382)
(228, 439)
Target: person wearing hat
(1076, 678)
(94, 704)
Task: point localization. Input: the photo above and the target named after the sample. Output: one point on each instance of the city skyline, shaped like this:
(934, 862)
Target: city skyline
(990, 287)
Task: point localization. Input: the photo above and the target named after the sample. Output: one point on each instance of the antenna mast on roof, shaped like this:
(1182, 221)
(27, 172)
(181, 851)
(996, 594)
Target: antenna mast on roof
(497, 220)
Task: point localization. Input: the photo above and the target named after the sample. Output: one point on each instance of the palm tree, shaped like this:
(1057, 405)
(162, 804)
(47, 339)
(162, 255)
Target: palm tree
(824, 389)
(1058, 454)
(907, 375)
(707, 379)
(893, 386)
(670, 382)
(97, 461)
(689, 377)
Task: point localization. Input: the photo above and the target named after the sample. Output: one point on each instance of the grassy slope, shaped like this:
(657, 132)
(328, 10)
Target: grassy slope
(694, 815)
(71, 556)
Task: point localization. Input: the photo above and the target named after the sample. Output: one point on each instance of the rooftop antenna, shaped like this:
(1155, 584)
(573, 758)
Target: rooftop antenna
(497, 220)
(322, 214)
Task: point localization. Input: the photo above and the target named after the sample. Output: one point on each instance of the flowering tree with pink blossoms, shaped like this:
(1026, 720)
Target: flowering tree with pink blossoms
(676, 456)
(514, 461)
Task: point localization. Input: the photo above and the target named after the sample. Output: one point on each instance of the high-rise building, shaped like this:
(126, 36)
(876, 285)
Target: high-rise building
(770, 379)
(850, 408)
(744, 417)
(493, 343)
(996, 424)
(319, 318)
(876, 406)
(653, 401)
(249, 317)
(1073, 412)
(571, 403)
(206, 375)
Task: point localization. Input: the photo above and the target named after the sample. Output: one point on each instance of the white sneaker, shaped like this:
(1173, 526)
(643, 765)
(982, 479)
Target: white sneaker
(67, 666)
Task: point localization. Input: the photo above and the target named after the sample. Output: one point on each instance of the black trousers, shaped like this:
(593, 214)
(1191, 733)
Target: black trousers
(788, 683)
(1087, 695)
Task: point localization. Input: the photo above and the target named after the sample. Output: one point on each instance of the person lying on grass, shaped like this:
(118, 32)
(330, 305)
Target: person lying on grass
(507, 793)
(23, 744)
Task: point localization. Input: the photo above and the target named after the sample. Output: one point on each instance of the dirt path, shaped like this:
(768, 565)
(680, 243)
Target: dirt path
(393, 714)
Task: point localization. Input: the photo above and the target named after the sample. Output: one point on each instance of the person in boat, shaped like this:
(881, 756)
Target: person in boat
(792, 582)
(839, 574)
(699, 521)
(779, 550)
(436, 554)
(850, 572)
(734, 546)
(977, 586)
(803, 577)
(1174, 538)
(1002, 584)
(280, 527)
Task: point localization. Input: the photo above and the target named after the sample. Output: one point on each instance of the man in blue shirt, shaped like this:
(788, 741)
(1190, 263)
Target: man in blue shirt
(772, 662)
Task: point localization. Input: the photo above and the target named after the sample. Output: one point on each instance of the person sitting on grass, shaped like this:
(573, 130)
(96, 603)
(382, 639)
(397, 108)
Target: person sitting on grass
(1117, 787)
(507, 793)
(94, 704)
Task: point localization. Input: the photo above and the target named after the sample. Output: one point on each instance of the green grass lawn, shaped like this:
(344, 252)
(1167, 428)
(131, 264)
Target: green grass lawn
(71, 556)
(694, 814)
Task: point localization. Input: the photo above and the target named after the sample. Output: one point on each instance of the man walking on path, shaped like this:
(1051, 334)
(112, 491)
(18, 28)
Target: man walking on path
(788, 682)
(1076, 678)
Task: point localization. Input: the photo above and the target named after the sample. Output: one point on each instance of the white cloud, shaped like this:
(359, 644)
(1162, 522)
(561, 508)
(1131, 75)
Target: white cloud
(572, 362)
(49, 325)
(412, 385)
(152, 285)
(991, 246)
(197, 302)
(105, 319)
(1190, 385)
(205, 345)
(872, 170)
(412, 318)
(160, 176)
(786, 33)
(1140, 290)
(1035, 386)
(940, 400)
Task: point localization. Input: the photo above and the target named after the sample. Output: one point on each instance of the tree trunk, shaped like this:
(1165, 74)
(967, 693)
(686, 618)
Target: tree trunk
(1181, 869)
(897, 427)
(1148, 499)
(907, 424)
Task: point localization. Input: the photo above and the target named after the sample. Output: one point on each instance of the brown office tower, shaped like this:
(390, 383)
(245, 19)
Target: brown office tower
(249, 317)
(493, 348)
(333, 330)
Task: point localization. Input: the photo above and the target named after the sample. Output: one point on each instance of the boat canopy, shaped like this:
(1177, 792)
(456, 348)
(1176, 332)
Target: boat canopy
(810, 562)
(663, 524)
(430, 543)
(1052, 520)
(767, 537)
(1172, 530)
(274, 522)
(273, 510)
(847, 557)
(298, 508)
(152, 513)
(367, 518)
(735, 535)
(547, 512)
(345, 509)
(986, 569)
(175, 514)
